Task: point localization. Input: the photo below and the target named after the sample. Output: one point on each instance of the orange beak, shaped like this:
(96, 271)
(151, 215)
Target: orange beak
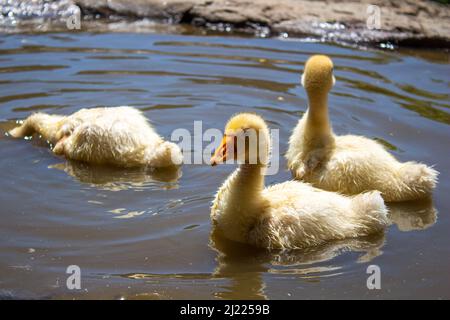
(220, 156)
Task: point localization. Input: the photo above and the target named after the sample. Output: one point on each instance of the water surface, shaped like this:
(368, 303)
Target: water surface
(146, 234)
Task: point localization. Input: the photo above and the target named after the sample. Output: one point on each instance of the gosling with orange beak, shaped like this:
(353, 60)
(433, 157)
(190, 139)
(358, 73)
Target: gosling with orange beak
(347, 164)
(288, 215)
(220, 154)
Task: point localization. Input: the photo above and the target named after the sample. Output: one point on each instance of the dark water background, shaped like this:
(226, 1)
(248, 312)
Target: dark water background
(140, 234)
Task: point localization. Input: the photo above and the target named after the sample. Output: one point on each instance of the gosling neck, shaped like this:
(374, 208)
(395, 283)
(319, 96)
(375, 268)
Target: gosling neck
(317, 118)
(240, 201)
(250, 179)
(244, 188)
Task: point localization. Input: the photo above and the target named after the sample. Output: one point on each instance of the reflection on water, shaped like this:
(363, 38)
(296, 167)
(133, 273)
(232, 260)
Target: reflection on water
(422, 107)
(116, 179)
(244, 265)
(157, 243)
(413, 215)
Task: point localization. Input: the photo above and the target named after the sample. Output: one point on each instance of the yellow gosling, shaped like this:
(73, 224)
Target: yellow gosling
(288, 215)
(119, 136)
(347, 164)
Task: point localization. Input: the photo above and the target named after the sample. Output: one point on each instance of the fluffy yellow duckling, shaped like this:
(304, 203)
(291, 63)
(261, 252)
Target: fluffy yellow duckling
(119, 136)
(347, 164)
(288, 215)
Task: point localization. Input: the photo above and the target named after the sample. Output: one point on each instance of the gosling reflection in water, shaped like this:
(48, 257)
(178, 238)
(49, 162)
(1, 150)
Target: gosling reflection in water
(413, 215)
(116, 179)
(245, 265)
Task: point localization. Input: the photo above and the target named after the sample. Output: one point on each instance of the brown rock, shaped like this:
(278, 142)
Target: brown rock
(419, 22)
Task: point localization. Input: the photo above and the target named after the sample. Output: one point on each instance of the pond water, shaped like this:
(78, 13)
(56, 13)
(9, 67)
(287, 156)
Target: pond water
(147, 235)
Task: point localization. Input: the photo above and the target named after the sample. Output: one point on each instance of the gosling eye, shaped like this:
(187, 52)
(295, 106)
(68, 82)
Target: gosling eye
(332, 76)
(249, 132)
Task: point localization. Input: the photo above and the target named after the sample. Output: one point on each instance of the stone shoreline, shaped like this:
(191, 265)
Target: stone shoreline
(413, 23)
(419, 23)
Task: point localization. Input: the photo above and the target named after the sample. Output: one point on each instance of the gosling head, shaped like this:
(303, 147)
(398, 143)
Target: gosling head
(246, 141)
(318, 74)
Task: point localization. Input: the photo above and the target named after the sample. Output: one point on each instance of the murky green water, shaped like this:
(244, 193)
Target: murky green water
(140, 234)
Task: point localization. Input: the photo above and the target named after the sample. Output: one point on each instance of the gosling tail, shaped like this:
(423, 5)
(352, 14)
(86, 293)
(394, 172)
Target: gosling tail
(370, 212)
(415, 181)
(166, 154)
